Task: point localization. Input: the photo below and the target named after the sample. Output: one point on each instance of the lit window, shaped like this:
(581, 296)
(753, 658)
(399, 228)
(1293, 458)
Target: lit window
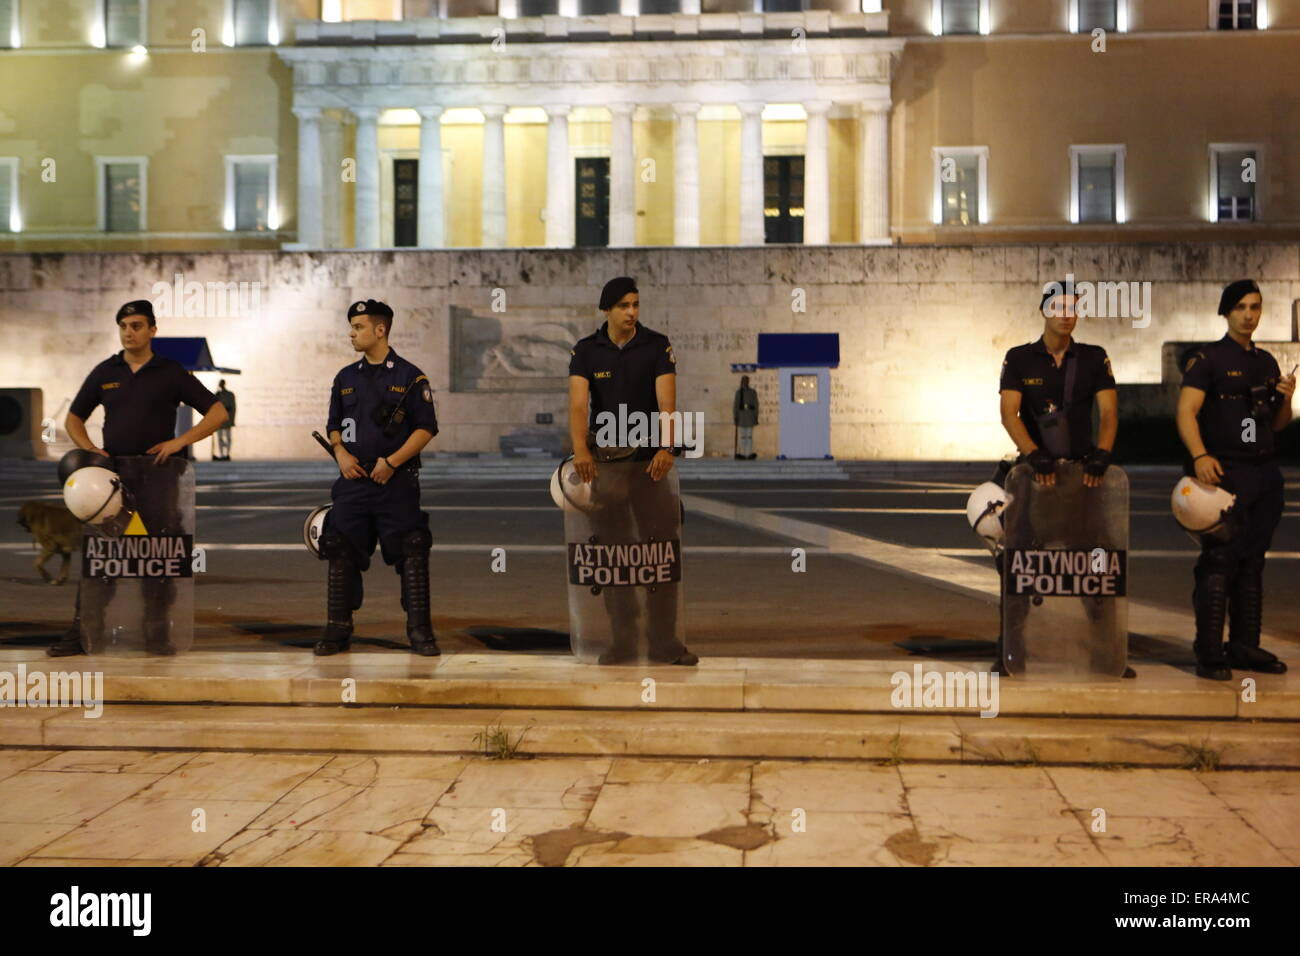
(1233, 175)
(1097, 184)
(960, 178)
(124, 23)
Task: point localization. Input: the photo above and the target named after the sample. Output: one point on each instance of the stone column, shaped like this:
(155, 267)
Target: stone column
(311, 232)
(494, 177)
(873, 175)
(686, 176)
(367, 184)
(622, 178)
(817, 176)
(752, 232)
(331, 139)
(559, 179)
(430, 226)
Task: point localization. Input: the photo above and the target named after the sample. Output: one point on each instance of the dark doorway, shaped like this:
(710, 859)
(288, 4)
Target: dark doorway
(406, 202)
(591, 210)
(783, 198)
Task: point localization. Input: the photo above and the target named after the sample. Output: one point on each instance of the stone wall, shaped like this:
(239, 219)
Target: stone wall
(923, 329)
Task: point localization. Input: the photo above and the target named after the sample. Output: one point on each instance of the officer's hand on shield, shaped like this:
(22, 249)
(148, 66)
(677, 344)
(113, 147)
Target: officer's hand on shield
(349, 467)
(1208, 469)
(165, 449)
(1044, 465)
(660, 464)
(584, 465)
(1095, 464)
(381, 472)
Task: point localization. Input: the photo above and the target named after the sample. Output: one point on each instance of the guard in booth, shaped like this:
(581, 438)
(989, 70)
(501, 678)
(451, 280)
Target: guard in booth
(140, 392)
(1048, 388)
(381, 415)
(1233, 399)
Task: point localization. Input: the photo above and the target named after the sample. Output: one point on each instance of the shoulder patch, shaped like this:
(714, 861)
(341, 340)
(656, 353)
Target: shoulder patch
(1190, 362)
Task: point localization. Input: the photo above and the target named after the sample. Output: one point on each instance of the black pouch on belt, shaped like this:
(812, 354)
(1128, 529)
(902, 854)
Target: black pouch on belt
(1054, 426)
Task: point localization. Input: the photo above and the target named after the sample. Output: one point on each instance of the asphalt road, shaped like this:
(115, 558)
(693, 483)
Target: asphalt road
(261, 587)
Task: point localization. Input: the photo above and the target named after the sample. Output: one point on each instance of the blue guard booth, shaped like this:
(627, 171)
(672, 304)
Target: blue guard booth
(803, 361)
(194, 354)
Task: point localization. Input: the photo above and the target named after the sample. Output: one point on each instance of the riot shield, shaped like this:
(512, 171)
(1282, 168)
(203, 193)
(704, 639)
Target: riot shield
(1065, 575)
(136, 593)
(624, 567)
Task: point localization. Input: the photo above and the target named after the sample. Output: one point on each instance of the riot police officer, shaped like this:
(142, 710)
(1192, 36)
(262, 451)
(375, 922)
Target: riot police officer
(1233, 399)
(1048, 388)
(140, 391)
(381, 415)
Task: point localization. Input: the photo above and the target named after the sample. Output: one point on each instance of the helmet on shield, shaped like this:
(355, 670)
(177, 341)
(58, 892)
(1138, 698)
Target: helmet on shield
(568, 490)
(984, 511)
(97, 497)
(1203, 510)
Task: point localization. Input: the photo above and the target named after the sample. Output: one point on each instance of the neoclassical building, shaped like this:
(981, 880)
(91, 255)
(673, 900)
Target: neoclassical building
(333, 124)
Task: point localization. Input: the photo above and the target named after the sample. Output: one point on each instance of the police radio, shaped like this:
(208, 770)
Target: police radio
(389, 416)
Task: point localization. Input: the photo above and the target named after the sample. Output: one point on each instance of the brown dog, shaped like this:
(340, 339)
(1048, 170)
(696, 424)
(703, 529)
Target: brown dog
(55, 530)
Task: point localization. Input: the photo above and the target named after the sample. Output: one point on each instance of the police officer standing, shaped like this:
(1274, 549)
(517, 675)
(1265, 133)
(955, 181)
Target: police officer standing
(744, 412)
(1233, 399)
(140, 392)
(620, 369)
(381, 415)
(1048, 389)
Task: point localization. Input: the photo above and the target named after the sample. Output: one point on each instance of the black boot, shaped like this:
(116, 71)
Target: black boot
(337, 635)
(69, 643)
(415, 593)
(1247, 611)
(1210, 600)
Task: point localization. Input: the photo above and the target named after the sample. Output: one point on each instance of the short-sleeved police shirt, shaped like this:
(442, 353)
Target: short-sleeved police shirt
(362, 389)
(1031, 371)
(140, 407)
(623, 376)
(1226, 372)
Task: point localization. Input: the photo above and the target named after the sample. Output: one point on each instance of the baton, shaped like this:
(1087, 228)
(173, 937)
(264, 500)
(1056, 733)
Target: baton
(329, 450)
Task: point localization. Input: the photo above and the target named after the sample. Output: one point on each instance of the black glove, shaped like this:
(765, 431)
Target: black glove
(1041, 460)
(1096, 462)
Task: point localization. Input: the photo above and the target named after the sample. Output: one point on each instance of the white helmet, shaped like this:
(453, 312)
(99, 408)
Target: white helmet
(568, 490)
(984, 511)
(313, 528)
(1202, 509)
(95, 495)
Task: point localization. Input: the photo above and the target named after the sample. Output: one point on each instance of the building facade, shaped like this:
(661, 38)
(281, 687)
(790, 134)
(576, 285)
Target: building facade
(149, 125)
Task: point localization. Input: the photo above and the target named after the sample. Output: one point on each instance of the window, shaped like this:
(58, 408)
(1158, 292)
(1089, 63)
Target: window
(1235, 14)
(252, 22)
(783, 6)
(1097, 184)
(538, 8)
(958, 16)
(595, 8)
(124, 23)
(660, 6)
(9, 36)
(250, 194)
(10, 220)
(960, 185)
(123, 193)
(1233, 170)
(1091, 15)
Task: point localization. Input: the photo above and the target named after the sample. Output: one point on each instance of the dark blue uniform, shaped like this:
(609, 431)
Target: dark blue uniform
(363, 398)
(1236, 425)
(1031, 371)
(1239, 385)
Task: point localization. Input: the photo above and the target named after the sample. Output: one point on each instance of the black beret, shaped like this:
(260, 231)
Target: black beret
(1052, 289)
(137, 307)
(614, 290)
(371, 308)
(1234, 292)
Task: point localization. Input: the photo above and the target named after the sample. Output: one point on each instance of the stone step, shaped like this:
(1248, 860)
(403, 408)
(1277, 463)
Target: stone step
(752, 685)
(763, 735)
